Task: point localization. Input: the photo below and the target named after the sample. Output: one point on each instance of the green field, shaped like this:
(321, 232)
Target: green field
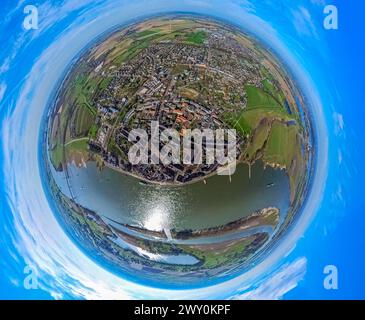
(82, 91)
(147, 33)
(78, 111)
(93, 131)
(238, 122)
(257, 143)
(83, 121)
(282, 145)
(284, 149)
(77, 148)
(57, 155)
(258, 98)
(264, 120)
(133, 50)
(196, 37)
(260, 105)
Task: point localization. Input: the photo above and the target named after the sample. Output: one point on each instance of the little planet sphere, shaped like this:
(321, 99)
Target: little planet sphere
(177, 225)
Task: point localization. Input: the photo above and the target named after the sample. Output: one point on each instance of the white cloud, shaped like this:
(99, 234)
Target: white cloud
(339, 122)
(276, 285)
(339, 156)
(303, 22)
(2, 91)
(5, 66)
(319, 2)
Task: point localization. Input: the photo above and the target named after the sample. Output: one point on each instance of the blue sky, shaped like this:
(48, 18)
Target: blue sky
(329, 66)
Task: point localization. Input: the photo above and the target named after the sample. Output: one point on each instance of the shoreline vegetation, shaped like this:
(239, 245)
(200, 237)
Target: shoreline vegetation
(264, 217)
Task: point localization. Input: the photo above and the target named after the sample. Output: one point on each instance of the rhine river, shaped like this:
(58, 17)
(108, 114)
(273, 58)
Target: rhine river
(124, 199)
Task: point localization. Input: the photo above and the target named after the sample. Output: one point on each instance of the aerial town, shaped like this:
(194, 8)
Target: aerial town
(175, 83)
(185, 75)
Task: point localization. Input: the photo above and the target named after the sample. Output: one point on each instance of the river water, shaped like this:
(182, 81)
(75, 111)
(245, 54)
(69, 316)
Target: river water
(194, 206)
